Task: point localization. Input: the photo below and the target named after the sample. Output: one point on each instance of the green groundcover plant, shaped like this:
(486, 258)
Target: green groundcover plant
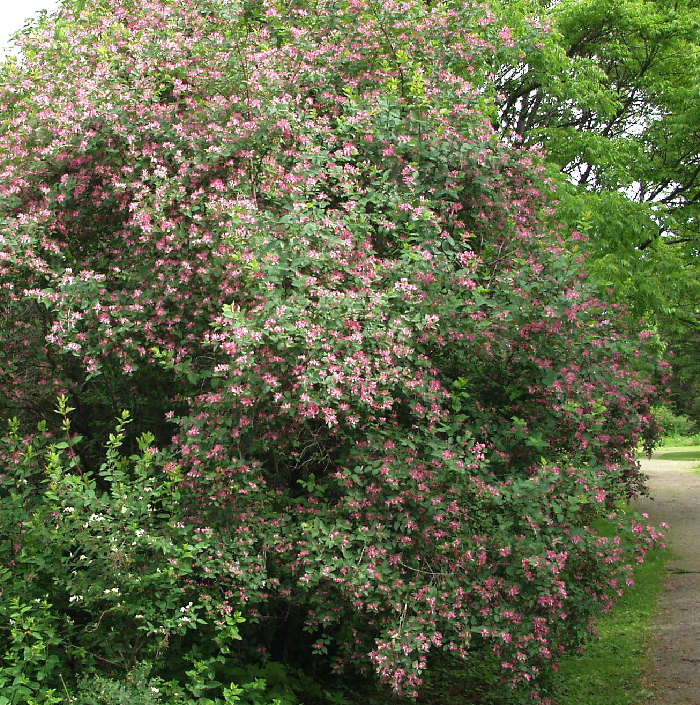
(376, 408)
(108, 598)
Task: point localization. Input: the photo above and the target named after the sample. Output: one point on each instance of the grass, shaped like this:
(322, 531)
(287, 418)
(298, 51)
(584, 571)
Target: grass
(680, 448)
(692, 453)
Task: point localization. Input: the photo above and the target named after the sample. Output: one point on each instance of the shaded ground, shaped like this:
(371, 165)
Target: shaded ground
(675, 499)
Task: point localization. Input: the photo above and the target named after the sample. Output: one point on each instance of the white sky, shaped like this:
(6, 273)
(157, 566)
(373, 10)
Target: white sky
(13, 14)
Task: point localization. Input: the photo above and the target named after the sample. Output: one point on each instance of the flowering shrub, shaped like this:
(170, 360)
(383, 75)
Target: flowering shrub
(389, 410)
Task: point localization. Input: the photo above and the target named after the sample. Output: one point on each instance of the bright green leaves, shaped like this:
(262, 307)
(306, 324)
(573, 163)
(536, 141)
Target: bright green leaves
(112, 576)
(29, 658)
(608, 94)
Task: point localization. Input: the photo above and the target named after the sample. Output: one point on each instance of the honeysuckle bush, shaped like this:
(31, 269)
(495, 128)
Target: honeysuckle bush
(386, 412)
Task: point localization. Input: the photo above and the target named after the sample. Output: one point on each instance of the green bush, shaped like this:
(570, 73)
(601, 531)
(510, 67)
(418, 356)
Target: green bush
(673, 424)
(394, 405)
(107, 595)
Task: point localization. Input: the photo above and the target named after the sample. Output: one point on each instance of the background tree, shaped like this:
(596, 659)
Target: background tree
(609, 89)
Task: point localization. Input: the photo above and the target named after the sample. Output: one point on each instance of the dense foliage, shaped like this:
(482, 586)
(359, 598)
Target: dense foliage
(609, 89)
(385, 408)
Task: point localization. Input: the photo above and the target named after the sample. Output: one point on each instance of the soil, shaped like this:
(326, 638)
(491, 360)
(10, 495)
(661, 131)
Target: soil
(674, 675)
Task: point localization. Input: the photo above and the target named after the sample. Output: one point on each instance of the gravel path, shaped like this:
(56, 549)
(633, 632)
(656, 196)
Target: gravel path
(675, 499)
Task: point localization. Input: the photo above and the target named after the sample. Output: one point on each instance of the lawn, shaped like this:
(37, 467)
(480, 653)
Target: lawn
(680, 453)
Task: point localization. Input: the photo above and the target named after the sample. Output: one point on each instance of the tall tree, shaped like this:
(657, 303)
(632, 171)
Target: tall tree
(609, 89)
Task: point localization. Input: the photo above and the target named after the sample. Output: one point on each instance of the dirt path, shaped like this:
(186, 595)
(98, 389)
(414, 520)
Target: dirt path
(675, 499)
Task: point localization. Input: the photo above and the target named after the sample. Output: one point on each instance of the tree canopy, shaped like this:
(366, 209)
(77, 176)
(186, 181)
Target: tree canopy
(609, 89)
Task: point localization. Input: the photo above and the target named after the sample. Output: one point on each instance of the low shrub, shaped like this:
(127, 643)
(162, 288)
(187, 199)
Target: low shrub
(674, 425)
(106, 594)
